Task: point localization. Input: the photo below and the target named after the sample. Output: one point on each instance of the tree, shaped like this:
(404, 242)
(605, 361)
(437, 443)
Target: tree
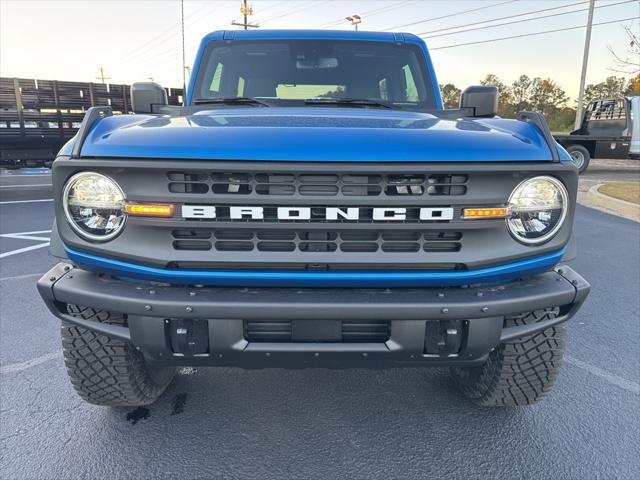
(633, 86)
(546, 95)
(520, 92)
(450, 95)
(504, 102)
(628, 62)
(610, 88)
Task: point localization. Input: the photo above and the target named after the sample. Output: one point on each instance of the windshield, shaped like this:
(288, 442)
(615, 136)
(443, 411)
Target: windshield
(290, 72)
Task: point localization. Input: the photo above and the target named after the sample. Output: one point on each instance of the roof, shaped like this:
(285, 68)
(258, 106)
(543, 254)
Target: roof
(261, 34)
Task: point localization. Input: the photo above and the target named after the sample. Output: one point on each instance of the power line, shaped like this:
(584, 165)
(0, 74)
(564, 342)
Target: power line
(102, 75)
(455, 14)
(523, 14)
(270, 7)
(368, 13)
(246, 11)
(526, 20)
(531, 34)
(297, 9)
(162, 37)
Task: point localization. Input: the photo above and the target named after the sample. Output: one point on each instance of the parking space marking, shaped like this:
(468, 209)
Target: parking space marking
(23, 250)
(21, 277)
(18, 367)
(628, 385)
(26, 201)
(27, 235)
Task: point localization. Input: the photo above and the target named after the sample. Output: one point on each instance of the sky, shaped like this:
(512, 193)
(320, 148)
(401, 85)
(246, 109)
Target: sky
(138, 40)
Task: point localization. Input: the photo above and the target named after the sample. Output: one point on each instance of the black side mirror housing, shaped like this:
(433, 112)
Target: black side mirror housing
(146, 95)
(483, 99)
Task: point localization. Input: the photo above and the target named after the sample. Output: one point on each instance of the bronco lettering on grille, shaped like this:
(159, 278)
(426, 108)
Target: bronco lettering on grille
(378, 214)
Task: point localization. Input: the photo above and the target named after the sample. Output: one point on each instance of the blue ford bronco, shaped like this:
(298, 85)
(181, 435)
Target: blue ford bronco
(313, 205)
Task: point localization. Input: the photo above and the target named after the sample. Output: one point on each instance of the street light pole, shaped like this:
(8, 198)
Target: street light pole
(355, 21)
(585, 58)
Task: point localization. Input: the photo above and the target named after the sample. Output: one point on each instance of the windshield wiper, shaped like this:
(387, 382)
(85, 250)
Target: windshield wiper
(231, 101)
(356, 102)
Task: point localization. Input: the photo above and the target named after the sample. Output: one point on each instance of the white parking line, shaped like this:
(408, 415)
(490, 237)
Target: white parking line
(21, 277)
(25, 236)
(23, 250)
(27, 201)
(18, 367)
(628, 385)
(29, 185)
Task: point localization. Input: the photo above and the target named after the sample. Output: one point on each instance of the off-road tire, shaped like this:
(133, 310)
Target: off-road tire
(106, 371)
(520, 372)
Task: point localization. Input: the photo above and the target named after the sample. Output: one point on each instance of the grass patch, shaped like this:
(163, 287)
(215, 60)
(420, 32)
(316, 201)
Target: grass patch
(628, 191)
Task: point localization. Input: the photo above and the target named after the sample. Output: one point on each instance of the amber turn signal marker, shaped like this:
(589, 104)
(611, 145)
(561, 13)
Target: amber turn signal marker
(150, 210)
(473, 213)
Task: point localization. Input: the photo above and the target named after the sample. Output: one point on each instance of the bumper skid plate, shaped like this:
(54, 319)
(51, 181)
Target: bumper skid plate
(314, 327)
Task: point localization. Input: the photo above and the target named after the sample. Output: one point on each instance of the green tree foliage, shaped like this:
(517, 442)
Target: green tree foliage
(544, 95)
(611, 87)
(450, 95)
(504, 102)
(521, 92)
(633, 86)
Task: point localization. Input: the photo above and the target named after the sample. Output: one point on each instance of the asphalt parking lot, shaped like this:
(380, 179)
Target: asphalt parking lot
(230, 423)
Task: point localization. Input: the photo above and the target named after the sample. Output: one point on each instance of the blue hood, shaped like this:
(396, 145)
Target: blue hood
(315, 134)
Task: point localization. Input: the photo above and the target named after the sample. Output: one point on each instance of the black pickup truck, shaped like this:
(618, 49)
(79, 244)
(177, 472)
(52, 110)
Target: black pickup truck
(605, 132)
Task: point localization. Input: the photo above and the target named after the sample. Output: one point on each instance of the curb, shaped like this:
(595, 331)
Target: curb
(621, 208)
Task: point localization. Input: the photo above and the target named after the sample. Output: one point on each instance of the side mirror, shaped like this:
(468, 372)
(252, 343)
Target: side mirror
(146, 95)
(483, 99)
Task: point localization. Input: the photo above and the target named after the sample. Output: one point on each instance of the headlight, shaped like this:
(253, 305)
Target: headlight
(94, 206)
(537, 208)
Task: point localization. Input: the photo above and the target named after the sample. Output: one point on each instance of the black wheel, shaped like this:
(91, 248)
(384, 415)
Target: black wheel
(519, 372)
(106, 371)
(580, 156)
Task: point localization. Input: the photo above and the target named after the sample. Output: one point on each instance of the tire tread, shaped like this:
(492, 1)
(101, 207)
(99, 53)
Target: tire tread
(105, 370)
(520, 372)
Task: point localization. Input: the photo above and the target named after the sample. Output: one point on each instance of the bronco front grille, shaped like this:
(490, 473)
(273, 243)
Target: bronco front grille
(264, 240)
(243, 184)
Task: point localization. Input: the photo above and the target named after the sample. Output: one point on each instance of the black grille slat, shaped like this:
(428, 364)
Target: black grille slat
(243, 184)
(365, 332)
(347, 241)
(351, 331)
(267, 331)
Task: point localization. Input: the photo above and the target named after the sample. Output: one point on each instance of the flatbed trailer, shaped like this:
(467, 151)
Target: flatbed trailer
(37, 117)
(605, 132)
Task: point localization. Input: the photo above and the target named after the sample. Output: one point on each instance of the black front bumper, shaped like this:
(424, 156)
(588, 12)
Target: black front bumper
(427, 326)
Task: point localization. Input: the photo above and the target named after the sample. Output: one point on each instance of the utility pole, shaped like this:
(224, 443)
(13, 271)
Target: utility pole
(245, 11)
(102, 75)
(184, 78)
(355, 21)
(585, 58)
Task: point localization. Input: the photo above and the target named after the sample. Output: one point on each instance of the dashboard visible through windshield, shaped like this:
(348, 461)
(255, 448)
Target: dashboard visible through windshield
(316, 72)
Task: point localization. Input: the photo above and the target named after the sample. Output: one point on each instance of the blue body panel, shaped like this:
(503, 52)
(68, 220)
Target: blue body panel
(317, 134)
(500, 273)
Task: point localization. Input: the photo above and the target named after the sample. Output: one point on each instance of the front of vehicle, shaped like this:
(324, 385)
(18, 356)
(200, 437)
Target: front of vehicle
(314, 206)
